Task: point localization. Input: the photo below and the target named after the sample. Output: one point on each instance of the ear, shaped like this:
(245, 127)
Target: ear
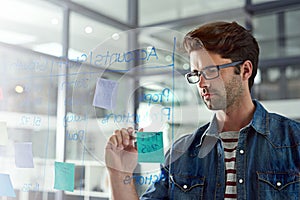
(246, 70)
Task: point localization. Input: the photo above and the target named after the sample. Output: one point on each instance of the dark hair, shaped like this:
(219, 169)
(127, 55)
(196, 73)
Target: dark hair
(229, 40)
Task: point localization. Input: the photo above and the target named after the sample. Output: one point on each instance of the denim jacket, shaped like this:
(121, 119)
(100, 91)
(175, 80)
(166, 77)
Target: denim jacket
(267, 162)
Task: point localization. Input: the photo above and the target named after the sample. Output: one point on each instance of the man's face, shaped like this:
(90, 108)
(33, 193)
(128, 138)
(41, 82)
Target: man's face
(219, 93)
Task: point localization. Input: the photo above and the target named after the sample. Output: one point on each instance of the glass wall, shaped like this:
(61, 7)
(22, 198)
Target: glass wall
(292, 33)
(53, 106)
(28, 107)
(278, 37)
(33, 24)
(116, 9)
(152, 12)
(86, 34)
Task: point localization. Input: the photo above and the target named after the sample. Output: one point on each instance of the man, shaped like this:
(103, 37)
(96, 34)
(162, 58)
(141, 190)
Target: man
(245, 152)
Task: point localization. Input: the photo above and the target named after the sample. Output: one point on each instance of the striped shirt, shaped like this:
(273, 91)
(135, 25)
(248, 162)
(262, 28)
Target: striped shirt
(230, 140)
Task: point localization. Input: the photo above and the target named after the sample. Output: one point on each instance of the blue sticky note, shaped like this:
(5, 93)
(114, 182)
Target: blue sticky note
(150, 147)
(23, 155)
(105, 94)
(64, 176)
(6, 188)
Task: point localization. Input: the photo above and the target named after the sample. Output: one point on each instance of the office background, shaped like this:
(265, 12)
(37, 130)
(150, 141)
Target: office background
(44, 100)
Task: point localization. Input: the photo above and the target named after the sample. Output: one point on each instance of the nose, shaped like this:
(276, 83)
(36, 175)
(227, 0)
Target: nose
(203, 83)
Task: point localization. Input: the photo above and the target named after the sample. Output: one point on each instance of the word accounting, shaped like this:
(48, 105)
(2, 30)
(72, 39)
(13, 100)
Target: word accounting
(108, 58)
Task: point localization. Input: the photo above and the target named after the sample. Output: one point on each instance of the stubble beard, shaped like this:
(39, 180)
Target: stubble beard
(228, 96)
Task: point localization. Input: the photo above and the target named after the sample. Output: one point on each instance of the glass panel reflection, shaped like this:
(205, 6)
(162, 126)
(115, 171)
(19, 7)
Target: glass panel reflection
(156, 11)
(33, 24)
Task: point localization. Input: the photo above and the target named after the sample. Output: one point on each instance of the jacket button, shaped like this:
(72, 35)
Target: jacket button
(185, 186)
(278, 183)
(241, 181)
(242, 151)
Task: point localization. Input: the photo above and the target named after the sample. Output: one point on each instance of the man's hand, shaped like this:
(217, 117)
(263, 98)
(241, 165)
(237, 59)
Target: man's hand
(121, 159)
(121, 153)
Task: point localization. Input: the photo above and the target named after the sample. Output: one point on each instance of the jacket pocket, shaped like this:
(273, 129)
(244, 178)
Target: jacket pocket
(187, 187)
(278, 185)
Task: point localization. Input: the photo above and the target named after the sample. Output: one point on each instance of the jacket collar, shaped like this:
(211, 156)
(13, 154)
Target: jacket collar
(260, 123)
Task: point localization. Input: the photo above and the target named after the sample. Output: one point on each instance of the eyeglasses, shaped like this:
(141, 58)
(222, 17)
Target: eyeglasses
(209, 72)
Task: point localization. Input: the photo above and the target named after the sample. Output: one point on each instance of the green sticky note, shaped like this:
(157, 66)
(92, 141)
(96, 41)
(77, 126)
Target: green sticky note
(64, 176)
(150, 147)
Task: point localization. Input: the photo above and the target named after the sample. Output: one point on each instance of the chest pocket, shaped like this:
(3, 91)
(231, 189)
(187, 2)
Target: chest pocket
(187, 187)
(278, 186)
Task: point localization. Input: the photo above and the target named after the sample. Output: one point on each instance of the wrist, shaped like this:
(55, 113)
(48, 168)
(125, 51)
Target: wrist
(118, 173)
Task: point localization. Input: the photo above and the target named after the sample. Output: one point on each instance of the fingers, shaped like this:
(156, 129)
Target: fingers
(131, 137)
(126, 135)
(118, 136)
(122, 138)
